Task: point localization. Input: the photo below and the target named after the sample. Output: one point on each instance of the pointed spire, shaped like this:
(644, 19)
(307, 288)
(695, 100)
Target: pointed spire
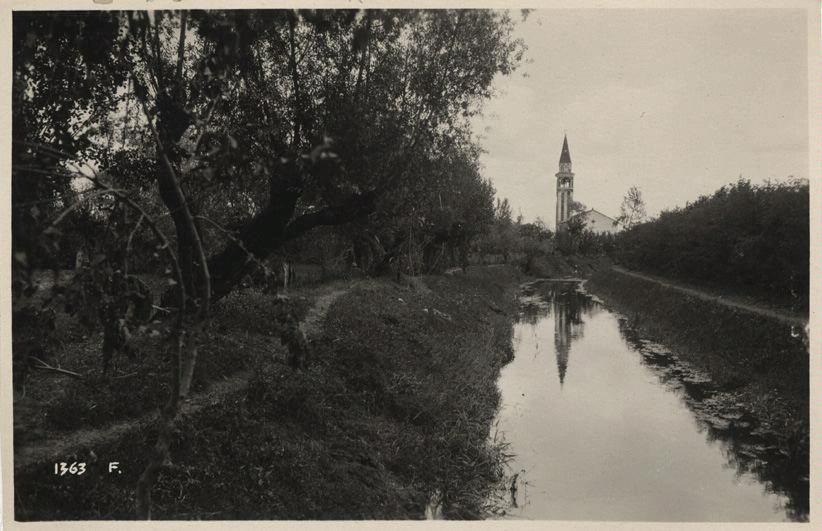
(566, 154)
(562, 363)
(562, 338)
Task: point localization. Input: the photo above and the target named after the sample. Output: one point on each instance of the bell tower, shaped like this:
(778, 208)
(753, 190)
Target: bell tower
(565, 185)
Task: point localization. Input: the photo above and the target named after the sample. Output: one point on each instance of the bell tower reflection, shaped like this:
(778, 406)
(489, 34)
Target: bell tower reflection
(562, 300)
(562, 342)
(567, 305)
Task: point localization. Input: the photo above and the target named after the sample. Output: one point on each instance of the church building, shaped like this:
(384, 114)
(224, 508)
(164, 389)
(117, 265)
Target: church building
(593, 219)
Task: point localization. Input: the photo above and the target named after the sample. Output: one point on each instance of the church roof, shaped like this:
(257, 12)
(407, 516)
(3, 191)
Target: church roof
(590, 210)
(566, 155)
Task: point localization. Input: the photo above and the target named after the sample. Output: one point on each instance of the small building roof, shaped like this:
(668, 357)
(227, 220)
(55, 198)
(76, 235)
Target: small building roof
(601, 214)
(586, 212)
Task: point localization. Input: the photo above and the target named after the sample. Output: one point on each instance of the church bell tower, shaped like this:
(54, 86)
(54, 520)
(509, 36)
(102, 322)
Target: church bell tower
(565, 185)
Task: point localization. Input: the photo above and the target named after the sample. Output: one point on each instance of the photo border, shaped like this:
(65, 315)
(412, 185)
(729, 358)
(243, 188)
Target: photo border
(814, 78)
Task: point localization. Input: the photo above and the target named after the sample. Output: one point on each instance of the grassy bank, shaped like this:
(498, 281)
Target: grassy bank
(755, 363)
(395, 407)
(740, 350)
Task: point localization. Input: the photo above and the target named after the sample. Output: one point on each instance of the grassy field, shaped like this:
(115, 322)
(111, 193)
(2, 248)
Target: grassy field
(395, 407)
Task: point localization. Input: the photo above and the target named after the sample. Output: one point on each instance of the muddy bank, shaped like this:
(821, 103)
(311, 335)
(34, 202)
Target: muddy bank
(395, 407)
(746, 375)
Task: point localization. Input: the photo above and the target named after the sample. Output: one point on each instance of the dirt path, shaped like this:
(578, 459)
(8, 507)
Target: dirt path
(312, 323)
(80, 441)
(730, 302)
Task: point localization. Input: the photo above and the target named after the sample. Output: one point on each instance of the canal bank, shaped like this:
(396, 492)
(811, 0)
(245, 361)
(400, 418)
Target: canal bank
(395, 408)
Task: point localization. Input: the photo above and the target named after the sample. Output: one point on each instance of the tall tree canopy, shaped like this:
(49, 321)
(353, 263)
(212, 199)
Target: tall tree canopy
(269, 122)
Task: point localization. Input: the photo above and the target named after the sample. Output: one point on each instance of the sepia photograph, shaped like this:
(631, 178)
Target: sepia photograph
(383, 263)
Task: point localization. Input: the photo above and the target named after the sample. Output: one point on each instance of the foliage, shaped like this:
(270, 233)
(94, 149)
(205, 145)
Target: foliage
(194, 145)
(533, 245)
(576, 207)
(750, 237)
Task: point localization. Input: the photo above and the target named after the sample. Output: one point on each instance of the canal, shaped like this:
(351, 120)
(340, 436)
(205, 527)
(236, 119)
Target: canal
(604, 425)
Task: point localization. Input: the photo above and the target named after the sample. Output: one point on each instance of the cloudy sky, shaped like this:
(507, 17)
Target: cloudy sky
(677, 102)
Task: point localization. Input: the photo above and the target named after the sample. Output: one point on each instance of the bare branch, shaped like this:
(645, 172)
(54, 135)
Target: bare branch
(43, 366)
(76, 205)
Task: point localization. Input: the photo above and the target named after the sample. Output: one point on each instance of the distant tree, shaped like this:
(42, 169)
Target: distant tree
(502, 211)
(542, 226)
(569, 239)
(576, 207)
(632, 211)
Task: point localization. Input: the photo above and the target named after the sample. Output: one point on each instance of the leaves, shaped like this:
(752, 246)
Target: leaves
(753, 237)
(394, 89)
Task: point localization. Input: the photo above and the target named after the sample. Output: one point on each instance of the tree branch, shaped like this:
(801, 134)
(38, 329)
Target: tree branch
(42, 365)
(272, 228)
(186, 211)
(355, 207)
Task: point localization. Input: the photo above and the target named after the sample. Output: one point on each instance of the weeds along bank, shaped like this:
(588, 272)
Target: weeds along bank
(757, 361)
(396, 405)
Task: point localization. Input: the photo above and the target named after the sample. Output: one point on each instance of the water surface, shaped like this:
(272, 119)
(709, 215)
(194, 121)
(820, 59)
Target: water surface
(605, 425)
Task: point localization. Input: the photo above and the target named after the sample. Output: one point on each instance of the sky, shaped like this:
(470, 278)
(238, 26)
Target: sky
(677, 102)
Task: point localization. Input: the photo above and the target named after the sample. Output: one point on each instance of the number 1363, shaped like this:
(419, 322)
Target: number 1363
(76, 469)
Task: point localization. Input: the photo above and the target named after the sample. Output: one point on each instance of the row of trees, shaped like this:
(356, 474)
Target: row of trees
(524, 243)
(752, 237)
(195, 145)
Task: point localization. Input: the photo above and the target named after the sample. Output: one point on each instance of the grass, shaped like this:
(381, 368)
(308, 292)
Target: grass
(737, 348)
(396, 406)
(242, 326)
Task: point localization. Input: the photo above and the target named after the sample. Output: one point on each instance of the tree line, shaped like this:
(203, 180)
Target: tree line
(524, 243)
(751, 239)
(754, 238)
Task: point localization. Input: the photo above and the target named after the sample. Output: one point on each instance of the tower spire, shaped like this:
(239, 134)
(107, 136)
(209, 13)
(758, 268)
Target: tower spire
(565, 156)
(565, 185)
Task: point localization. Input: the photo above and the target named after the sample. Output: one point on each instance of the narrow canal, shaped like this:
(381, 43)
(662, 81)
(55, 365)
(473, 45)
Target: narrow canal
(604, 425)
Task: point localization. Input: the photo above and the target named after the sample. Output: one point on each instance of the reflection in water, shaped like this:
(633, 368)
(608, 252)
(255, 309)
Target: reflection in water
(568, 325)
(625, 431)
(567, 307)
(749, 447)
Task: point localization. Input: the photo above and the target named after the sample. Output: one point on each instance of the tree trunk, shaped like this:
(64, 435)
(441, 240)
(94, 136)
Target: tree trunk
(271, 229)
